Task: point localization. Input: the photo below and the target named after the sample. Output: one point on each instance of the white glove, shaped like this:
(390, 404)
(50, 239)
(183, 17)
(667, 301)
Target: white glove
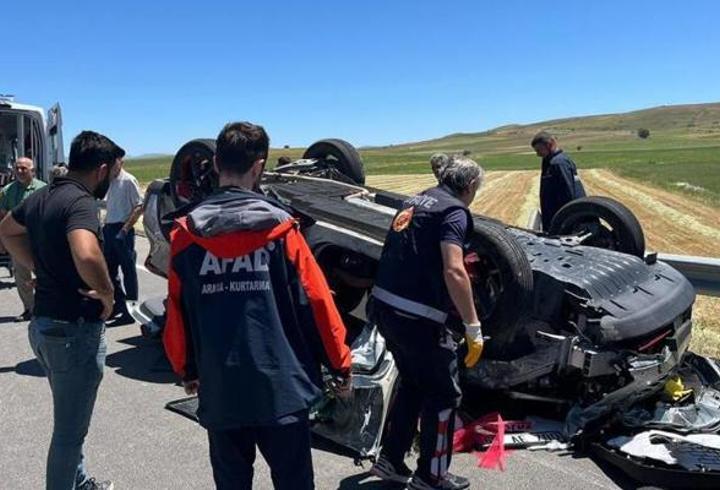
(475, 342)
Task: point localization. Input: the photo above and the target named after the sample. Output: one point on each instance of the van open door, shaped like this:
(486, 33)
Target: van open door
(55, 136)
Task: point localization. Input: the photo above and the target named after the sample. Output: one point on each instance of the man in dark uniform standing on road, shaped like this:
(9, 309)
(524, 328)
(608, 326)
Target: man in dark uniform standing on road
(250, 319)
(421, 276)
(559, 180)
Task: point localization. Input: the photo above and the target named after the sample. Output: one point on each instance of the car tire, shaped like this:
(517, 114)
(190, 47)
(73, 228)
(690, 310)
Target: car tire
(503, 289)
(192, 176)
(626, 234)
(345, 157)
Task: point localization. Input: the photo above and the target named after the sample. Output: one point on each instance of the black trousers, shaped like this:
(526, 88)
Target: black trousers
(286, 448)
(120, 255)
(426, 357)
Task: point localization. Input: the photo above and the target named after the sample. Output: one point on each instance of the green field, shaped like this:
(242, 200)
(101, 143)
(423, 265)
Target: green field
(682, 153)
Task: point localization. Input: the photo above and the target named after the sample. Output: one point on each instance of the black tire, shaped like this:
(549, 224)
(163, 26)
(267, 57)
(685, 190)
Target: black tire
(342, 154)
(192, 176)
(503, 289)
(587, 213)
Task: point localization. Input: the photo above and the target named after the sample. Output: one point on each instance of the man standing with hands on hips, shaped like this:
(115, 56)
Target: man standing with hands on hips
(421, 276)
(55, 233)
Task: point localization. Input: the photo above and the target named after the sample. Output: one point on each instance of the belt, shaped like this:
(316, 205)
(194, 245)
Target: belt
(409, 305)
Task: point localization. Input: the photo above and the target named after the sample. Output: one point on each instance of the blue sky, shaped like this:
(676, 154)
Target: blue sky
(152, 75)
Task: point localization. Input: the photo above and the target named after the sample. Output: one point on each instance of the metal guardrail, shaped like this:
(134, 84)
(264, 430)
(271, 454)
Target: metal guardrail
(702, 272)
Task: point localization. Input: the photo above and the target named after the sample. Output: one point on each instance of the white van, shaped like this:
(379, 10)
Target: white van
(26, 130)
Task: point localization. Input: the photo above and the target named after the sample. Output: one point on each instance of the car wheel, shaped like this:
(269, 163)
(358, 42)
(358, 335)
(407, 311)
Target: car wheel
(192, 175)
(341, 155)
(502, 288)
(604, 222)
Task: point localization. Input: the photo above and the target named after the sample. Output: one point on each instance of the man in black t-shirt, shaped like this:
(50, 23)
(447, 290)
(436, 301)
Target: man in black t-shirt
(56, 233)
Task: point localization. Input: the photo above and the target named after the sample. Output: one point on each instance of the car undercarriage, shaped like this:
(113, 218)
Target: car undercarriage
(580, 319)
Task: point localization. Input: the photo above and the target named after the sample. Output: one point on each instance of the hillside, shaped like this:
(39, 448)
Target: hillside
(682, 153)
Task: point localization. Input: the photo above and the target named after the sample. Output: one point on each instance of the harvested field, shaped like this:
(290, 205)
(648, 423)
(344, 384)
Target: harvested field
(504, 195)
(672, 223)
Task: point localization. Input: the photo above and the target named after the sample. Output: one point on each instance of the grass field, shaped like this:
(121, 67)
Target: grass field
(681, 155)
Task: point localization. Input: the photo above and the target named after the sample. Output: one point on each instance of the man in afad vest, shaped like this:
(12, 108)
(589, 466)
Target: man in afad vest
(250, 319)
(421, 277)
(559, 180)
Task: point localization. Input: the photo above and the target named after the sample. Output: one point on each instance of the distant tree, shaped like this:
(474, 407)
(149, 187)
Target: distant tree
(286, 146)
(643, 133)
(579, 147)
(466, 152)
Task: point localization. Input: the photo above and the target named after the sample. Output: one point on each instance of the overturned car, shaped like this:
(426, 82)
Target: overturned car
(579, 317)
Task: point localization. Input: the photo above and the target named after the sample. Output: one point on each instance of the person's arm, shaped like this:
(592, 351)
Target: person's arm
(135, 197)
(564, 181)
(14, 238)
(457, 281)
(325, 314)
(177, 335)
(133, 218)
(90, 264)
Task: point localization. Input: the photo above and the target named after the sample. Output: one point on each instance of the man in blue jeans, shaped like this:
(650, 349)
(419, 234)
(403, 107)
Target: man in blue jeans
(56, 234)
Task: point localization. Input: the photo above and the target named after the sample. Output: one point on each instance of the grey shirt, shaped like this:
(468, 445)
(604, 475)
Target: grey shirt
(122, 197)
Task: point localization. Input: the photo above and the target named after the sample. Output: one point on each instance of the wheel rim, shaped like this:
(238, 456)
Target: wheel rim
(594, 232)
(195, 177)
(486, 280)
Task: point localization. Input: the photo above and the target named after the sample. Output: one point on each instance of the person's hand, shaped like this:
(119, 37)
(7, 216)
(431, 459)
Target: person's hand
(342, 387)
(475, 342)
(121, 234)
(106, 298)
(191, 386)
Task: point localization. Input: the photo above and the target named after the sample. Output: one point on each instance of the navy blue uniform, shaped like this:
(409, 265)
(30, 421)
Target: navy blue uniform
(251, 316)
(559, 184)
(410, 306)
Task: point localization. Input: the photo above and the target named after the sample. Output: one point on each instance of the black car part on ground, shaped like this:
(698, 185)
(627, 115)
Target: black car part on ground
(600, 222)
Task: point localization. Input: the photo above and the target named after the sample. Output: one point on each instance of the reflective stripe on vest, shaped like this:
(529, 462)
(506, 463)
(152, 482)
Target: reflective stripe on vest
(408, 305)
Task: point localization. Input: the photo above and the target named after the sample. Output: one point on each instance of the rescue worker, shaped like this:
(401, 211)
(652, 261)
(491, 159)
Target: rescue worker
(559, 180)
(250, 318)
(124, 207)
(11, 196)
(421, 276)
(438, 161)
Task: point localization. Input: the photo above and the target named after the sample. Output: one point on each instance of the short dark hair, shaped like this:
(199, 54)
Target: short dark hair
(543, 137)
(239, 145)
(89, 150)
(119, 151)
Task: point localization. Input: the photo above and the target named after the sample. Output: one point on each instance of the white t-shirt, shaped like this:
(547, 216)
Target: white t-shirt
(122, 197)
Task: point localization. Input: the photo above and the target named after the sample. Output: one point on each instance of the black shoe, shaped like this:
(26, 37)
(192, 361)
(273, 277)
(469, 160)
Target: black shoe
(449, 482)
(93, 484)
(124, 319)
(23, 317)
(384, 469)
